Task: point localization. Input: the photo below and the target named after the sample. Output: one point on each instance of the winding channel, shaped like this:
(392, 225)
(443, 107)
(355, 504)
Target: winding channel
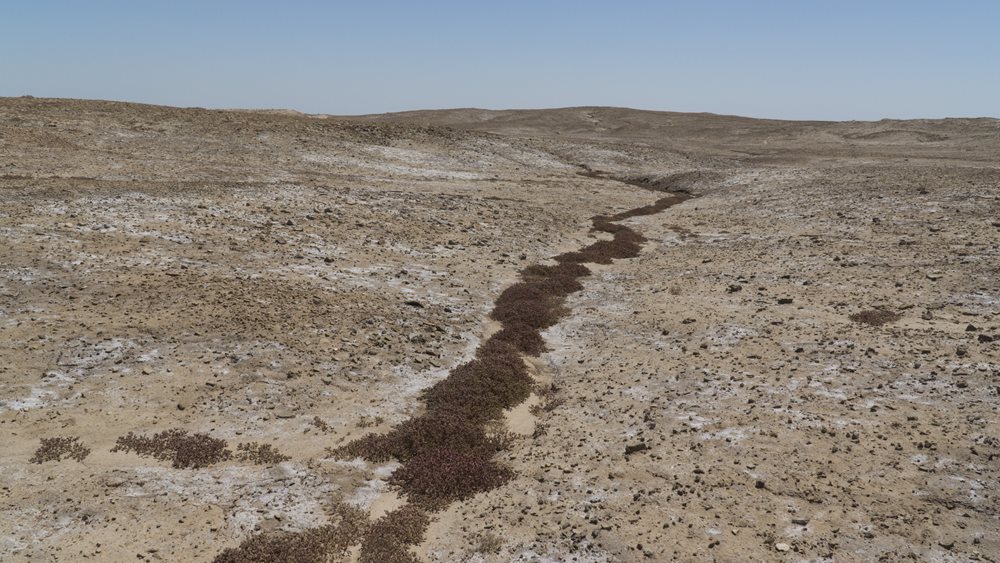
(446, 453)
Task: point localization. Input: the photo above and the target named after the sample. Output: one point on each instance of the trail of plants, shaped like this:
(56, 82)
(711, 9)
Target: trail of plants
(446, 454)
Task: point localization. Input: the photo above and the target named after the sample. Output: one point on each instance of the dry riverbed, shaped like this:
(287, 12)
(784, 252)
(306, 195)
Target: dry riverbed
(803, 362)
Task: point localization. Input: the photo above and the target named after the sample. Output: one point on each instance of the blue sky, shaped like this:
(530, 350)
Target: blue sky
(804, 59)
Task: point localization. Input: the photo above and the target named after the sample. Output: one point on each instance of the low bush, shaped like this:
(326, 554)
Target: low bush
(316, 545)
(481, 389)
(875, 317)
(651, 209)
(261, 454)
(58, 449)
(563, 270)
(524, 338)
(625, 244)
(534, 309)
(390, 537)
(429, 431)
(443, 475)
(184, 449)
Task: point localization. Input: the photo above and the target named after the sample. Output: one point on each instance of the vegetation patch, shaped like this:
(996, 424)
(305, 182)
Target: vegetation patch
(58, 449)
(480, 390)
(524, 338)
(316, 545)
(390, 537)
(563, 270)
(440, 476)
(528, 304)
(447, 452)
(875, 317)
(625, 244)
(261, 454)
(433, 430)
(184, 449)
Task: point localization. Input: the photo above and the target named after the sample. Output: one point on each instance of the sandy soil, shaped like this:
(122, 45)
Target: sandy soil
(298, 281)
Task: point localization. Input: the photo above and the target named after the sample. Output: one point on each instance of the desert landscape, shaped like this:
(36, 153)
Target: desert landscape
(580, 334)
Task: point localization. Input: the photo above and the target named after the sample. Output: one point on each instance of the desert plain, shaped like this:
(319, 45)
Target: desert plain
(203, 313)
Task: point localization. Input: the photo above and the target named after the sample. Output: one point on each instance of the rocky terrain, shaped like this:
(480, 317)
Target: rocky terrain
(210, 319)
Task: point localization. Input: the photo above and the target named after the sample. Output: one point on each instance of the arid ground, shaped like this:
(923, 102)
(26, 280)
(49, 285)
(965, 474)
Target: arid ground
(585, 334)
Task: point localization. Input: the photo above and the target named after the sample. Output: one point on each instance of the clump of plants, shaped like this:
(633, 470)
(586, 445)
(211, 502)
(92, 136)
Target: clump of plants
(260, 454)
(320, 424)
(875, 317)
(440, 476)
(524, 338)
(182, 448)
(562, 270)
(316, 545)
(489, 544)
(480, 390)
(390, 537)
(434, 429)
(58, 449)
(625, 244)
(527, 304)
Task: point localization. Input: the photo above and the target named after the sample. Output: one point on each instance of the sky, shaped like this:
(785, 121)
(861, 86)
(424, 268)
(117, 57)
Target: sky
(786, 59)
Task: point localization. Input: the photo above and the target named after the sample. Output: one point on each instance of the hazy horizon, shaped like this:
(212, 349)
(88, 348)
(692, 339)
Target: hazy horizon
(771, 59)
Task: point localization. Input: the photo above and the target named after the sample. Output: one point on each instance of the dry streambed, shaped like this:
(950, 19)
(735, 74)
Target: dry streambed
(447, 452)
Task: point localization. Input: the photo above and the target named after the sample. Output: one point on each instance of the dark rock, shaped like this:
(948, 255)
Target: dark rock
(635, 448)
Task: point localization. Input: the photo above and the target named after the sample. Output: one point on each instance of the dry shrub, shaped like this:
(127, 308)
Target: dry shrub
(498, 436)
(261, 454)
(603, 224)
(480, 390)
(625, 244)
(489, 544)
(320, 424)
(521, 336)
(390, 537)
(58, 449)
(317, 545)
(534, 308)
(180, 446)
(442, 475)
(431, 431)
(522, 292)
(651, 209)
(558, 286)
(370, 421)
(563, 270)
(875, 317)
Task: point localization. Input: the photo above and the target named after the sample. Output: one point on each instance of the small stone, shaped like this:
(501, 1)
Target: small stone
(782, 547)
(785, 301)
